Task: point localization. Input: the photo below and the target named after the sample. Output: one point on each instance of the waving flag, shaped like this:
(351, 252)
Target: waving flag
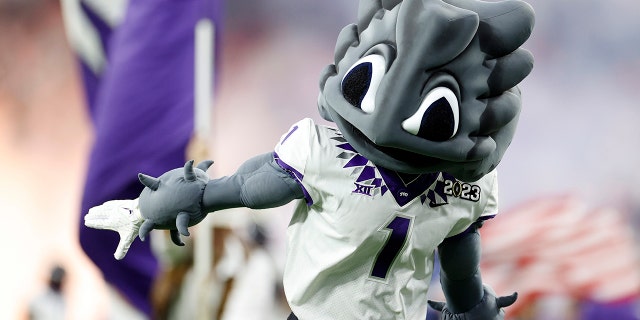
(138, 72)
(559, 245)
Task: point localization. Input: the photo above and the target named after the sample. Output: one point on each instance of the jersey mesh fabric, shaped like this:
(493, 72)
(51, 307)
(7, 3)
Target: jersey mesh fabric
(361, 245)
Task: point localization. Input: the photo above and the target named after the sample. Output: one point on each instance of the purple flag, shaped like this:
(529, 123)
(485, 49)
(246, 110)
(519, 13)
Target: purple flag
(142, 109)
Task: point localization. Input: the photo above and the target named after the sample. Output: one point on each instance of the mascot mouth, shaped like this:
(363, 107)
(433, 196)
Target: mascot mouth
(391, 158)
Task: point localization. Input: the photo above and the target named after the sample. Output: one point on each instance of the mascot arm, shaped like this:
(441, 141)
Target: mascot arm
(467, 297)
(177, 200)
(259, 183)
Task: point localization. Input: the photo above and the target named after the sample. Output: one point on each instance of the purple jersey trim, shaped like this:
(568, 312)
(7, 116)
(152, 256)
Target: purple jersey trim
(289, 134)
(403, 192)
(394, 182)
(471, 227)
(295, 174)
(486, 217)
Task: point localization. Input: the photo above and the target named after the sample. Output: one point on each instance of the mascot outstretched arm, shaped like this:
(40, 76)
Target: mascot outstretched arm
(424, 100)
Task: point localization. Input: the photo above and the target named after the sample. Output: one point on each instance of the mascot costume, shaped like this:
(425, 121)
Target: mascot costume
(423, 95)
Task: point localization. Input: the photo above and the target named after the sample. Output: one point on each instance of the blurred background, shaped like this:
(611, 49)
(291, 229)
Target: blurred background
(571, 163)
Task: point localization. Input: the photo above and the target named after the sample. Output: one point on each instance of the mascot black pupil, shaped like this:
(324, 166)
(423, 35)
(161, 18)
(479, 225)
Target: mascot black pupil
(438, 122)
(356, 84)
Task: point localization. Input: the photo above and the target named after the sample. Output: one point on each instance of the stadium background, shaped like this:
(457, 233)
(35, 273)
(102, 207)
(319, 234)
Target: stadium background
(578, 135)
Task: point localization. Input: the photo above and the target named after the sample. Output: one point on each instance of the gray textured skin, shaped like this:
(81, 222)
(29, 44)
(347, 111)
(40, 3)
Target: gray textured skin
(467, 297)
(471, 47)
(173, 200)
(182, 197)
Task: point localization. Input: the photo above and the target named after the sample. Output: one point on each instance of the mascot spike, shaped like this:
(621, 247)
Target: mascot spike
(149, 181)
(189, 174)
(145, 228)
(182, 222)
(204, 165)
(366, 11)
(175, 237)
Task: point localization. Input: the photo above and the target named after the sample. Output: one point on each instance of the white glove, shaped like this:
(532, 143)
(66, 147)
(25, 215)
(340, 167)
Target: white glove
(122, 216)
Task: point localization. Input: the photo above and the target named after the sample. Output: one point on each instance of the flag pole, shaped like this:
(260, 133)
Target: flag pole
(203, 100)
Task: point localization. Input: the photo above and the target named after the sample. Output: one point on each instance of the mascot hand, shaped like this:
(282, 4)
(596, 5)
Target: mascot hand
(122, 216)
(173, 201)
(489, 308)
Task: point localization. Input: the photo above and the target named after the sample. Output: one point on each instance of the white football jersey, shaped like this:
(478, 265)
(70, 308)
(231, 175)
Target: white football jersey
(361, 244)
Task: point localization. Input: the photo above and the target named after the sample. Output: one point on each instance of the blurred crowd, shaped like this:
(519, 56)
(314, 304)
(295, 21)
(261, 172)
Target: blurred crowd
(577, 135)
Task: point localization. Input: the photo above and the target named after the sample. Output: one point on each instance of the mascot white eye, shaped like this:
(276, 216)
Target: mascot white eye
(437, 117)
(360, 83)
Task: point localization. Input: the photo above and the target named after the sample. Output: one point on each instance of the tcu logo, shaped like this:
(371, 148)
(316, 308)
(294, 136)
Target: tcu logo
(363, 189)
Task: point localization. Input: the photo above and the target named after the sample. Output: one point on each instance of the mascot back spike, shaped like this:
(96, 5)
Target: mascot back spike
(423, 86)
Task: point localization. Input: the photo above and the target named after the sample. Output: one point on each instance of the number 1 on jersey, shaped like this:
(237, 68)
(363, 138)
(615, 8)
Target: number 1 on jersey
(399, 230)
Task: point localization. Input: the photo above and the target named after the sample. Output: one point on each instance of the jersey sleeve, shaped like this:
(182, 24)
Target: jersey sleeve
(293, 151)
(491, 207)
(487, 209)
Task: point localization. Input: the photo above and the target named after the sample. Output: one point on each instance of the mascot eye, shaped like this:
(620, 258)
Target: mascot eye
(437, 117)
(360, 84)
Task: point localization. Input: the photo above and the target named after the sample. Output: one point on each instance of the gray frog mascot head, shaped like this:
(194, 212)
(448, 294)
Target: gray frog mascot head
(423, 86)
